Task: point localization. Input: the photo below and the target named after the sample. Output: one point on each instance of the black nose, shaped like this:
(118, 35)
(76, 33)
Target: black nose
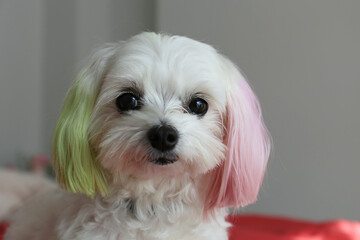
(163, 138)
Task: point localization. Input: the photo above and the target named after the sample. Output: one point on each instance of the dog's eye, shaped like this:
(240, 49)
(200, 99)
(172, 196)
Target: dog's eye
(198, 106)
(127, 101)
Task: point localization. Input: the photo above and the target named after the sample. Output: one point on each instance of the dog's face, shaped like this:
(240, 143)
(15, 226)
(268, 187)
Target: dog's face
(161, 107)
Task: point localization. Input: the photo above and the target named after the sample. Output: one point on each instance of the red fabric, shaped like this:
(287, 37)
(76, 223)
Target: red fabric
(275, 228)
(3, 227)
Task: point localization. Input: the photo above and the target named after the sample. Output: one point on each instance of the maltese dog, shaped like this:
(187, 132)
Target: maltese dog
(158, 136)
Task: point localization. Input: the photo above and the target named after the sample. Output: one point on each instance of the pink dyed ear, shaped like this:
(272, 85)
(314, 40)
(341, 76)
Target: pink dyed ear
(238, 180)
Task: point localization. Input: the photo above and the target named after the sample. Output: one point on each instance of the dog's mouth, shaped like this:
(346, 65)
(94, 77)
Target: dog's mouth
(162, 161)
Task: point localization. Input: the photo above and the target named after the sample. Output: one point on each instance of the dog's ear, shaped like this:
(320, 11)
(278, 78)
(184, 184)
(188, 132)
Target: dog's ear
(236, 182)
(74, 162)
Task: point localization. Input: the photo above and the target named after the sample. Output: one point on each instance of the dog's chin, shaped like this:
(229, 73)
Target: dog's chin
(162, 161)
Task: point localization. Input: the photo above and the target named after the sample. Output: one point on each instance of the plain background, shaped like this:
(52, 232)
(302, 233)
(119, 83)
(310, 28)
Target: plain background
(301, 57)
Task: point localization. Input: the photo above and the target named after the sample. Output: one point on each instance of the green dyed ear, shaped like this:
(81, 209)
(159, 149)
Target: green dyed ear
(74, 161)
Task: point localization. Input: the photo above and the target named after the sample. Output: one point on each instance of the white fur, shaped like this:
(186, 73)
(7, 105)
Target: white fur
(18, 187)
(167, 202)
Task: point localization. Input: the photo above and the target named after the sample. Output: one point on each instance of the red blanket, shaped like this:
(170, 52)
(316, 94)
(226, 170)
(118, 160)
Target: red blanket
(3, 227)
(274, 228)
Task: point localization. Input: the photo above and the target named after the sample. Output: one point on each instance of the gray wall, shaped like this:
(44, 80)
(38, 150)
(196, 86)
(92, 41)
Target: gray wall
(303, 60)
(21, 64)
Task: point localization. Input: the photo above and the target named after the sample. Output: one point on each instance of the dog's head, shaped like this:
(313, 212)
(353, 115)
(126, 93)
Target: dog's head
(160, 106)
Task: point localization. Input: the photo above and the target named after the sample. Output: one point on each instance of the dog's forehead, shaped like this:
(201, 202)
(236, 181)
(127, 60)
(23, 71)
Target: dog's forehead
(177, 64)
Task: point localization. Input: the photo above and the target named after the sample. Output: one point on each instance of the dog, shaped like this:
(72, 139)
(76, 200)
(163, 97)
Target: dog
(158, 136)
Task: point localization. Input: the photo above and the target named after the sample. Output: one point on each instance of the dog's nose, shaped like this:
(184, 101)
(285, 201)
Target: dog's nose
(163, 138)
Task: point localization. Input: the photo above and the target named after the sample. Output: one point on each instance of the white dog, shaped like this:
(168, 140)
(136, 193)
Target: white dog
(157, 137)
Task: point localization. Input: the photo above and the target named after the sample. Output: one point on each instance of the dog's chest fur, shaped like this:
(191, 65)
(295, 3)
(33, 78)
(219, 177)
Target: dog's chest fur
(167, 213)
